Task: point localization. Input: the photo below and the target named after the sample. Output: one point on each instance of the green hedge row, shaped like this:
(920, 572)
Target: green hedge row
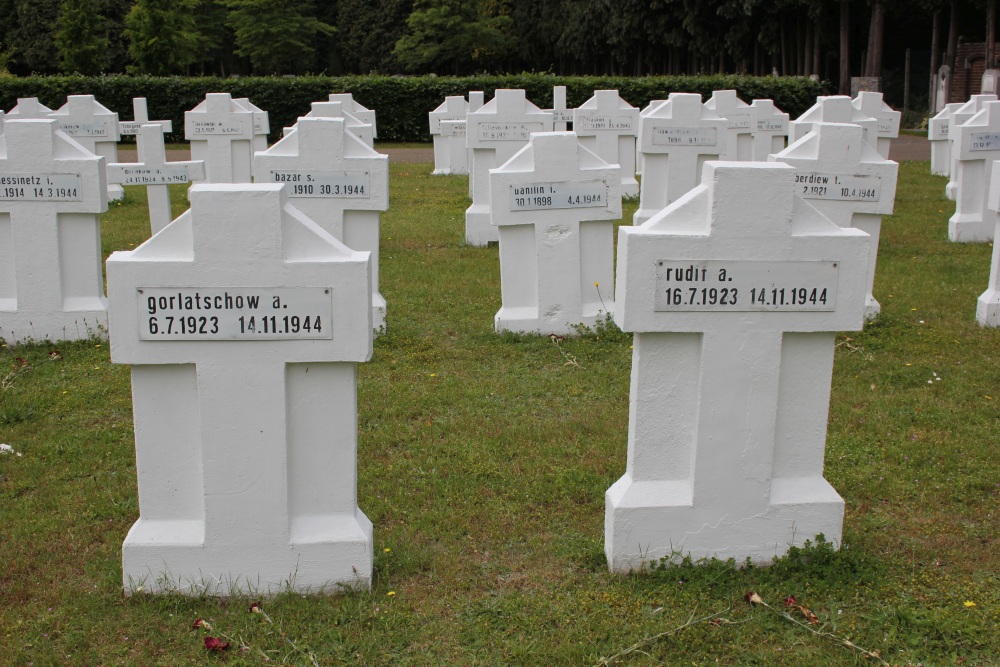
(402, 103)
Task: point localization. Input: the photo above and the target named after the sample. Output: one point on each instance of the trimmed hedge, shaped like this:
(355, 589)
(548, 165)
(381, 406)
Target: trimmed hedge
(402, 103)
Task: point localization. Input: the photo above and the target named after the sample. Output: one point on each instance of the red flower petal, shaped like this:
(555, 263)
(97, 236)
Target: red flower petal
(255, 608)
(215, 644)
(201, 623)
(790, 601)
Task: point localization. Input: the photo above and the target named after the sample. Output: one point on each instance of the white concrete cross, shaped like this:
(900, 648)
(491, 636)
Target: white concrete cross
(359, 128)
(140, 115)
(93, 126)
(450, 154)
(221, 133)
(937, 134)
(608, 126)
(988, 305)
(771, 129)
(554, 204)
(675, 139)
(338, 181)
(959, 118)
(734, 294)
(653, 104)
(976, 148)
(739, 124)
(244, 322)
(261, 123)
(560, 114)
(495, 132)
(477, 99)
(152, 170)
(887, 120)
(848, 181)
(52, 192)
(28, 108)
(833, 109)
(360, 112)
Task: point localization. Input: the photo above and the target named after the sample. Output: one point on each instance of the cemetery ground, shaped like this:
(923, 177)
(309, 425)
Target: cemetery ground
(483, 462)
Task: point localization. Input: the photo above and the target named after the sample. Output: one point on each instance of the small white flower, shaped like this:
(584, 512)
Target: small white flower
(5, 448)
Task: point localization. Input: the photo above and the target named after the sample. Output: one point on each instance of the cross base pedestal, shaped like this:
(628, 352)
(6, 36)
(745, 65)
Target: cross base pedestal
(479, 231)
(640, 514)
(325, 554)
(970, 228)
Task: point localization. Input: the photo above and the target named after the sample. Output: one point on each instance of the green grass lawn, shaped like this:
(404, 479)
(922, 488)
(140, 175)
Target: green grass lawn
(483, 463)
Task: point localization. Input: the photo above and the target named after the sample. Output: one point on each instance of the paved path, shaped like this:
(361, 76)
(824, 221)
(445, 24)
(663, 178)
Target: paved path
(906, 147)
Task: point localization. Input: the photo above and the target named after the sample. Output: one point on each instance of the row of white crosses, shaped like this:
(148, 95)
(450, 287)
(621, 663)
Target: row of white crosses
(975, 145)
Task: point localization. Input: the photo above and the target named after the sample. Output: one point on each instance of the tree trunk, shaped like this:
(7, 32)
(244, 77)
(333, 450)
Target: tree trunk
(991, 33)
(935, 61)
(845, 47)
(876, 41)
(949, 58)
(784, 49)
(807, 68)
(817, 51)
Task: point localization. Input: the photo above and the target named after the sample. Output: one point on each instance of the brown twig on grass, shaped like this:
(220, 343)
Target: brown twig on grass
(648, 641)
(756, 600)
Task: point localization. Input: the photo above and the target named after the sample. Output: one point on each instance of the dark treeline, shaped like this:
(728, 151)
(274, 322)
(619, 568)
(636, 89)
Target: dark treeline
(833, 39)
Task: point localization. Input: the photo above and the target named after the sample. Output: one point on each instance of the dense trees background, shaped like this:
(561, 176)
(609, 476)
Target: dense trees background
(834, 39)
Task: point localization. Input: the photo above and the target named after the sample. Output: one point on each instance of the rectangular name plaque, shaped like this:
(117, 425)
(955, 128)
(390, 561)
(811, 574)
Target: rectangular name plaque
(454, 128)
(839, 187)
(594, 123)
(508, 131)
(884, 126)
(214, 127)
(148, 175)
(129, 128)
(767, 125)
(235, 313)
(546, 196)
(738, 286)
(350, 184)
(684, 136)
(40, 187)
(85, 129)
(562, 116)
(739, 123)
(985, 141)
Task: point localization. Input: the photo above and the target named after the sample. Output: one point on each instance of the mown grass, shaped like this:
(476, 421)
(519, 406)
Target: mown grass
(483, 462)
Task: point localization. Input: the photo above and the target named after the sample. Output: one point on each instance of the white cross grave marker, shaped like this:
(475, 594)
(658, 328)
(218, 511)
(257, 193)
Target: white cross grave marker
(554, 203)
(832, 109)
(153, 171)
(359, 128)
(649, 108)
(739, 124)
(52, 192)
(261, 123)
(887, 120)
(28, 108)
(771, 129)
(726, 437)
(93, 126)
(477, 99)
(848, 181)
(560, 114)
(244, 322)
(977, 146)
(140, 115)
(988, 305)
(360, 112)
(937, 134)
(221, 133)
(959, 118)
(450, 154)
(675, 138)
(338, 181)
(608, 126)
(495, 132)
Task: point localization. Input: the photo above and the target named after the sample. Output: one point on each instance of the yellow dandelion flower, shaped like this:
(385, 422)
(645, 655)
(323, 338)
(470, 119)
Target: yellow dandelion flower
(970, 603)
